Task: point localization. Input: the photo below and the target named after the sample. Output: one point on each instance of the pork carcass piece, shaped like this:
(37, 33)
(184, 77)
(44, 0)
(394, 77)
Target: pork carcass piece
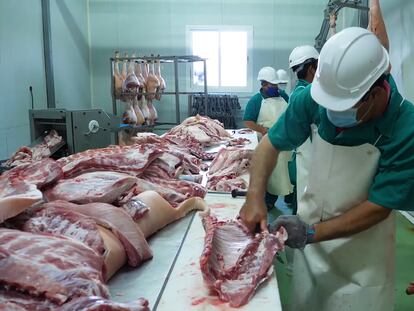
(40, 174)
(138, 73)
(215, 125)
(119, 222)
(65, 222)
(129, 159)
(11, 300)
(139, 115)
(227, 185)
(129, 116)
(234, 261)
(103, 187)
(56, 268)
(144, 108)
(131, 82)
(118, 79)
(16, 197)
(155, 212)
(124, 71)
(153, 115)
(151, 83)
(101, 304)
(162, 86)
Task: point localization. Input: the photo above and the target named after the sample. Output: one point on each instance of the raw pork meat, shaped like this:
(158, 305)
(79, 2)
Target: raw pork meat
(161, 213)
(41, 173)
(16, 197)
(59, 221)
(100, 304)
(229, 164)
(234, 261)
(57, 268)
(31, 154)
(119, 222)
(11, 300)
(136, 208)
(103, 187)
(128, 159)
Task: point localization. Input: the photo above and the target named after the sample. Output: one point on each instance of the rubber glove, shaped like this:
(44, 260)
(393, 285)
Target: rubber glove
(299, 232)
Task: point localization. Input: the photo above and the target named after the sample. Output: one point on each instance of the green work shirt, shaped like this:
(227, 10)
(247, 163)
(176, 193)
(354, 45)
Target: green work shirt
(253, 106)
(393, 184)
(299, 88)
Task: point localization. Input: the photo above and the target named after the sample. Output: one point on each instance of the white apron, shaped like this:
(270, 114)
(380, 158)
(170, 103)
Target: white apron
(270, 111)
(354, 273)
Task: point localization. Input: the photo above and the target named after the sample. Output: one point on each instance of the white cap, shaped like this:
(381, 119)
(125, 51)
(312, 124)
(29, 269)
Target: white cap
(267, 74)
(302, 53)
(282, 76)
(350, 63)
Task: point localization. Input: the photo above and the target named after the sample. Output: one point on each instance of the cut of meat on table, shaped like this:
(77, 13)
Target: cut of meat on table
(203, 129)
(229, 164)
(235, 262)
(100, 304)
(16, 197)
(103, 187)
(10, 300)
(224, 185)
(36, 153)
(129, 159)
(55, 268)
(241, 141)
(161, 213)
(119, 222)
(58, 221)
(41, 173)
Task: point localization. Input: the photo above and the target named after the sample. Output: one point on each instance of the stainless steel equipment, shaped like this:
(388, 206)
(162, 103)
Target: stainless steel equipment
(332, 8)
(80, 129)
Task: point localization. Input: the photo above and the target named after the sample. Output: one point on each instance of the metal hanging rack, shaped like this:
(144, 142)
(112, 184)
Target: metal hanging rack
(175, 60)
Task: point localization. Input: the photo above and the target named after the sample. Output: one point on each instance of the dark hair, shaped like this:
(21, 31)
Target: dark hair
(302, 69)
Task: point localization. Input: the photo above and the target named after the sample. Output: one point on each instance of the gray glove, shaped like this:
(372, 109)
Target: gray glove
(299, 232)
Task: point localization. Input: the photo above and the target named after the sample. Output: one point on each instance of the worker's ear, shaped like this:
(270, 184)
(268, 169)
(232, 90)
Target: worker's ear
(374, 106)
(311, 71)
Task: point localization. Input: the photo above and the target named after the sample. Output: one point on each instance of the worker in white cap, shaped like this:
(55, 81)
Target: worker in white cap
(262, 111)
(303, 62)
(362, 169)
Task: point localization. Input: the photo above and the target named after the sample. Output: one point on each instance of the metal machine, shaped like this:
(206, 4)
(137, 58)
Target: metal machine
(332, 9)
(80, 129)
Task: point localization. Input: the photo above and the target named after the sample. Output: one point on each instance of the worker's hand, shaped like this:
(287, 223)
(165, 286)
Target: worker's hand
(298, 231)
(264, 131)
(253, 214)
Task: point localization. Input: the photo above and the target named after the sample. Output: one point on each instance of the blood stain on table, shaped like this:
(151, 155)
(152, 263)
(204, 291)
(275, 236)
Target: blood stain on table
(197, 301)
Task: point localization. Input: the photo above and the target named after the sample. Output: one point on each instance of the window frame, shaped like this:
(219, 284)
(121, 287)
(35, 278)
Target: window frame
(249, 70)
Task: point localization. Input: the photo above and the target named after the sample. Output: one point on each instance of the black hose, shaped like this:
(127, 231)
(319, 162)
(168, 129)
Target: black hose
(31, 95)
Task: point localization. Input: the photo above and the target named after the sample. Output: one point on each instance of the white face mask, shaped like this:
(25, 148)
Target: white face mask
(347, 118)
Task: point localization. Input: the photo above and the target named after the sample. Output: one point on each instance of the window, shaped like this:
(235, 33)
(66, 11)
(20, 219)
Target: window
(226, 49)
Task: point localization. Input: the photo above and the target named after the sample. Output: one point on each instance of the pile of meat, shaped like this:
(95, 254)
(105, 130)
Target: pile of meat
(38, 152)
(234, 261)
(102, 205)
(136, 78)
(227, 167)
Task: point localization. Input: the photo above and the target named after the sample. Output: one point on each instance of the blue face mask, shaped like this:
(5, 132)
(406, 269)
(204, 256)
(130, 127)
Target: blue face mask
(272, 91)
(347, 118)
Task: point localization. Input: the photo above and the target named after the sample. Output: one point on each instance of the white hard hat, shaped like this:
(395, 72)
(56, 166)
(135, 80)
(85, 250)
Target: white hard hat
(267, 74)
(302, 53)
(282, 76)
(350, 63)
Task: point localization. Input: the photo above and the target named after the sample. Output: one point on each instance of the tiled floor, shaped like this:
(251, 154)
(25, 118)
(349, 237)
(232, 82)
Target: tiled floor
(404, 262)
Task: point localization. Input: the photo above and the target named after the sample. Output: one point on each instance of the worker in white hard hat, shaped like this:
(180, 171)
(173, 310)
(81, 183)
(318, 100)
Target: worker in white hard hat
(362, 169)
(303, 62)
(262, 111)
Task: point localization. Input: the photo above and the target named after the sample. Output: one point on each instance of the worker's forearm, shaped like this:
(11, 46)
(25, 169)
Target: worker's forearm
(255, 127)
(263, 163)
(376, 23)
(359, 218)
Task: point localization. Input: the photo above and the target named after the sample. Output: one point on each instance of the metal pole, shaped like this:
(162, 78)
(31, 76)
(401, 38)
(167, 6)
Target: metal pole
(205, 86)
(363, 15)
(177, 95)
(47, 50)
